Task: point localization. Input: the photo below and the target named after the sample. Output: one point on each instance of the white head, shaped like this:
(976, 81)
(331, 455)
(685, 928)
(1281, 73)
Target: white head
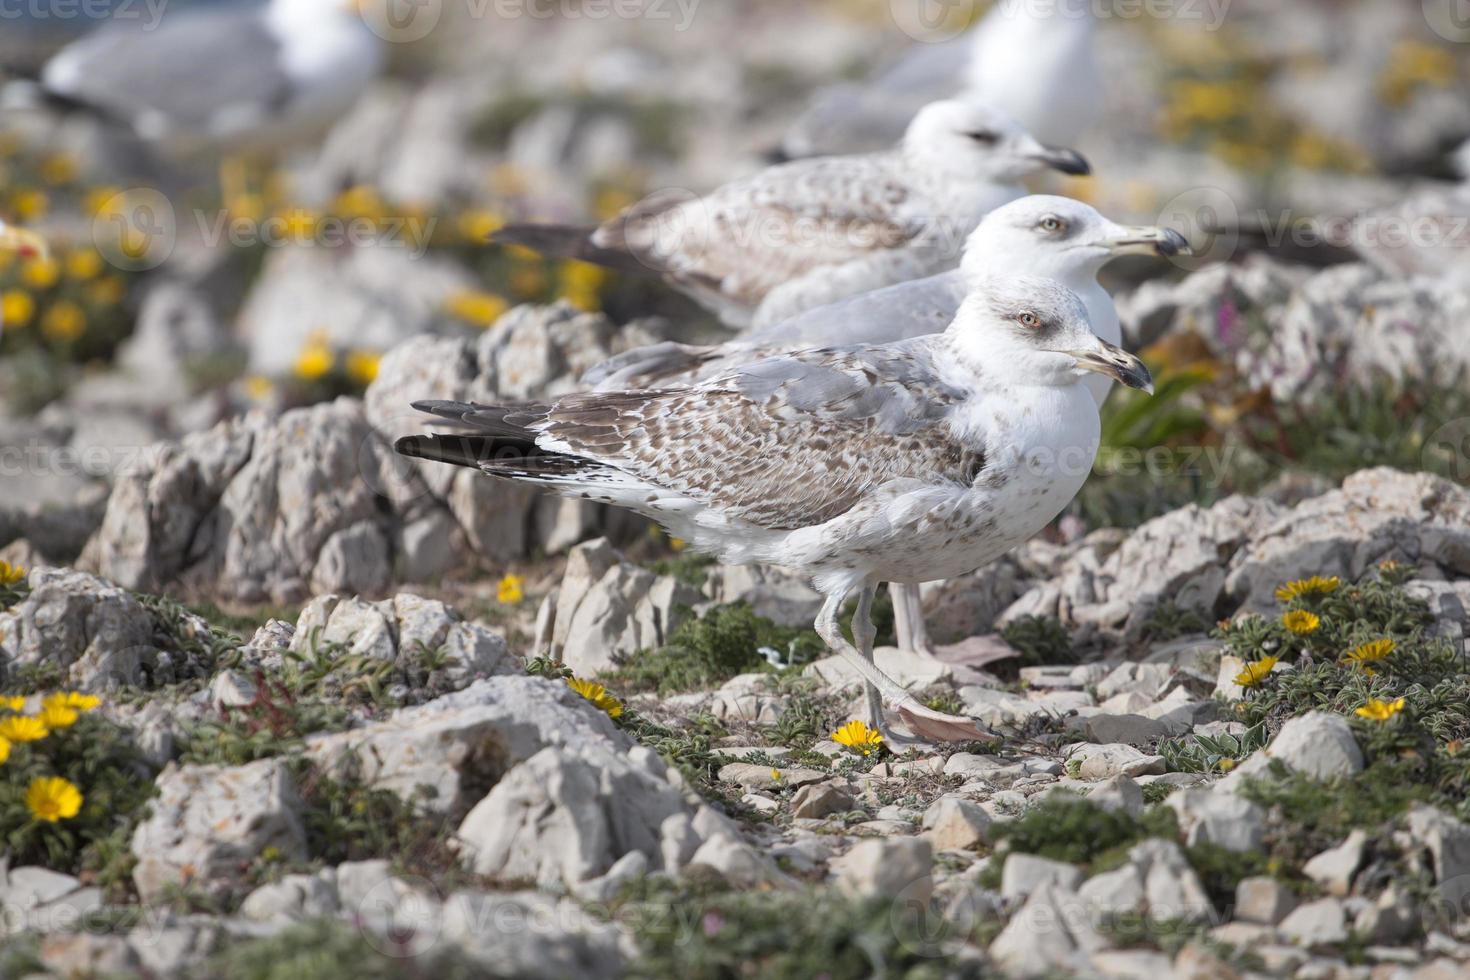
(980, 142)
(1053, 236)
(1034, 331)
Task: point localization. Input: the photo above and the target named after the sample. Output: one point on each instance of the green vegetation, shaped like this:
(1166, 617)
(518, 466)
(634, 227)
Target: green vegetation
(329, 950)
(1040, 640)
(1206, 753)
(1079, 832)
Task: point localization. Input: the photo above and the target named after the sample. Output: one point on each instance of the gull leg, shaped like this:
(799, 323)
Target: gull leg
(923, 721)
(865, 633)
(908, 618)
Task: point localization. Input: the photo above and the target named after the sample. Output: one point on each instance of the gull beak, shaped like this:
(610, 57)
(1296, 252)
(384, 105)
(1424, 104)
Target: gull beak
(1067, 161)
(1116, 363)
(1147, 240)
(23, 242)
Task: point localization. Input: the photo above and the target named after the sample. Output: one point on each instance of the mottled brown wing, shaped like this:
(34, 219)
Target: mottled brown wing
(748, 237)
(784, 443)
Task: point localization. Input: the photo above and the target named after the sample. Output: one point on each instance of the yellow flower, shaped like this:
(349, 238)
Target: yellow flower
(55, 716)
(58, 169)
(359, 201)
(30, 204)
(1316, 585)
(107, 291)
(858, 736)
(258, 388)
(1301, 622)
(1370, 652)
(581, 283)
(597, 694)
(73, 699)
(362, 366)
(299, 224)
(41, 272)
(83, 264)
(4, 751)
(481, 309)
(476, 227)
(100, 199)
(511, 589)
(1378, 710)
(677, 544)
(1256, 672)
(23, 728)
(17, 307)
(13, 702)
(52, 798)
(314, 361)
(1227, 764)
(775, 774)
(11, 574)
(64, 322)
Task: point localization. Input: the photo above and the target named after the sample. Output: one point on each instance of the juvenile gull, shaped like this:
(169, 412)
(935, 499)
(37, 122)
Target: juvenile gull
(239, 78)
(1042, 235)
(797, 236)
(851, 465)
(1033, 59)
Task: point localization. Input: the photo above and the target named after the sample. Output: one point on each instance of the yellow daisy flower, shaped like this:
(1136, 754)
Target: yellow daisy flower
(17, 307)
(4, 751)
(41, 272)
(1256, 672)
(511, 589)
(51, 798)
(1370, 652)
(23, 728)
(83, 264)
(64, 322)
(1301, 622)
(314, 362)
(362, 366)
(1379, 710)
(75, 700)
(597, 694)
(480, 309)
(57, 716)
(13, 702)
(858, 737)
(1316, 585)
(11, 574)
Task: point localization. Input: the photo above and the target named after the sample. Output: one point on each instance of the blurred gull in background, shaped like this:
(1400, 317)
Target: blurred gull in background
(803, 234)
(1034, 59)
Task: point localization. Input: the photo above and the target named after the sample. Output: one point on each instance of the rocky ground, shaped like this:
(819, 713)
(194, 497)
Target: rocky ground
(278, 703)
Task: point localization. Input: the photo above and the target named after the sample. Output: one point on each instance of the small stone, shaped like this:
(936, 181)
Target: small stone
(1334, 869)
(1319, 923)
(1264, 900)
(760, 803)
(1121, 793)
(887, 868)
(1103, 761)
(753, 777)
(1130, 729)
(955, 824)
(819, 800)
(1210, 817)
(971, 766)
(1025, 873)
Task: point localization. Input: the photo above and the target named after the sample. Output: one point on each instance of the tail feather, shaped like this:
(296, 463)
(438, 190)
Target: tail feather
(572, 242)
(497, 442)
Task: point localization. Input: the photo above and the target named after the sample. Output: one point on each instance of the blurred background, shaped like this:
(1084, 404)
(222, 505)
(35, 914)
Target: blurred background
(195, 279)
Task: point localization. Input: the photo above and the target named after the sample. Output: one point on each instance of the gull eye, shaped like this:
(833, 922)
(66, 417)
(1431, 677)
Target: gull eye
(1051, 224)
(1030, 320)
(984, 137)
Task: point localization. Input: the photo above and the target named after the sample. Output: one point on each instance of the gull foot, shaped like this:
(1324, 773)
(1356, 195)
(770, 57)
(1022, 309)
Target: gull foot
(936, 726)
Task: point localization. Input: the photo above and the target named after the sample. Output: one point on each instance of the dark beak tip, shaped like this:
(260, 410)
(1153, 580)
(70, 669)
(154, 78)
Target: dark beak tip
(1075, 164)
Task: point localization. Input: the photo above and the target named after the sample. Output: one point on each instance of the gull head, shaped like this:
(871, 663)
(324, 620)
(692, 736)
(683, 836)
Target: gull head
(1058, 237)
(1031, 330)
(972, 139)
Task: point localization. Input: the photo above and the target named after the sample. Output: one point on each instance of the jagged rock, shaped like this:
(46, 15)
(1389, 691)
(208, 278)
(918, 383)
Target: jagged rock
(1210, 817)
(819, 800)
(208, 822)
(46, 497)
(400, 628)
(1334, 869)
(778, 595)
(1116, 759)
(748, 697)
(953, 823)
(740, 864)
(293, 898)
(1058, 916)
(1171, 888)
(565, 815)
(1264, 900)
(95, 633)
(1318, 744)
(259, 509)
(1448, 843)
(1023, 874)
(1319, 923)
(608, 608)
(887, 867)
(41, 900)
(445, 754)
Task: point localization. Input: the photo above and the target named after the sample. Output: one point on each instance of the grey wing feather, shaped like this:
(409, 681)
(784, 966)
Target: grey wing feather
(187, 70)
(786, 442)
